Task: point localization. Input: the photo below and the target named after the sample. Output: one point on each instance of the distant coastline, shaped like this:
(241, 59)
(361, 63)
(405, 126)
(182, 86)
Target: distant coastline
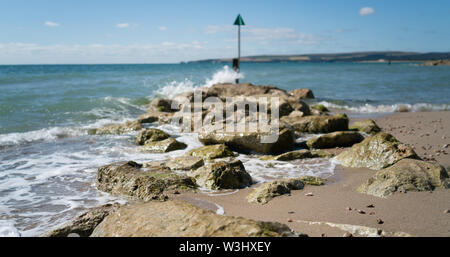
(340, 57)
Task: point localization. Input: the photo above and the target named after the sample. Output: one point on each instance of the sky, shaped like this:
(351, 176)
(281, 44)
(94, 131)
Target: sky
(170, 31)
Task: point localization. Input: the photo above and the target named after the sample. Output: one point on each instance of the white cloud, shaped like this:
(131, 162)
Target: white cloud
(162, 28)
(122, 25)
(51, 24)
(366, 11)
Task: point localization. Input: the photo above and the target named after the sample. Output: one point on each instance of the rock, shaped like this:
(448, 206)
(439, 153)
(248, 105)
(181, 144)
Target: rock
(151, 135)
(222, 175)
(156, 116)
(162, 105)
(209, 152)
(361, 212)
(164, 146)
(267, 191)
(335, 139)
(309, 194)
(124, 128)
(300, 108)
(370, 206)
(376, 152)
(436, 63)
(347, 234)
(406, 175)
(84, 224)
(229, 90)
(320, 107)
(185, 163)
(447, 211)
(380, 221)
(299, 154)
(302, 93)
(249, 141)
(143, 184)
(180, 219)
(367, 126)
(318, 124)
(311, 180)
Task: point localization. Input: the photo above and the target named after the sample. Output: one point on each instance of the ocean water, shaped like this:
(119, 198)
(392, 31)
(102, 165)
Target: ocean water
(48, 161)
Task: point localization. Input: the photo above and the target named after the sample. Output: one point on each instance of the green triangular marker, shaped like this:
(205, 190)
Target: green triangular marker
(239, 21)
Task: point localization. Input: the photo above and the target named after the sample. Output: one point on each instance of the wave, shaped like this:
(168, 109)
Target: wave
(386, 108)
(224, 75)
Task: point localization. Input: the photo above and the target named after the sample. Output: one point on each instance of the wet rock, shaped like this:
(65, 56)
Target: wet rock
(406, 175)
(368, 126)
(376, 152)
(185, 163)
(124, 128)
(143, 184)
(162, 105)
(320, 107)
(335, 139)
(302, 93)
(267, 191)
(222, 175)
(229, 90)
(164, 146)
(318, 124)
(298, 154)
(209, 152)
(84, 224)
(156, 116)
(180, 219)
(250, 141)
(313, 181)
(300, 108)
(151, 135)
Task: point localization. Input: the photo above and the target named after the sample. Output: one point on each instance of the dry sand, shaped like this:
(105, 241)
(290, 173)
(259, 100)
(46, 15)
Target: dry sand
(415, 213)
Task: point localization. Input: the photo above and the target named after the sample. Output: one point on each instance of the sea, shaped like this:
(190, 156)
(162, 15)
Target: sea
(48, 161)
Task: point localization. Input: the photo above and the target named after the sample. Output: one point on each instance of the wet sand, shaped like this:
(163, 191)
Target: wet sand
(415, 213)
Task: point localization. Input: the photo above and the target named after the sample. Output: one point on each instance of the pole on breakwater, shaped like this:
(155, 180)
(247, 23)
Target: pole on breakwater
(236, 61)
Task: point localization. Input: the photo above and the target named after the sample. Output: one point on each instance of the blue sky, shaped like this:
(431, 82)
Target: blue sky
(135, 31)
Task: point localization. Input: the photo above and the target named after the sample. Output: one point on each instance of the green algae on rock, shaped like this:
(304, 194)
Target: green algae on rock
(318, 124)
(222, 175)
(164, 146)
(406, 175)
(151, 135)
(124, 128)
(209, 152)
(376, 152)
(367, 126)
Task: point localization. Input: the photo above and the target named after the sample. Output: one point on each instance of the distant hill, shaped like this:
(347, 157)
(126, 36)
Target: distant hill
(341, 57)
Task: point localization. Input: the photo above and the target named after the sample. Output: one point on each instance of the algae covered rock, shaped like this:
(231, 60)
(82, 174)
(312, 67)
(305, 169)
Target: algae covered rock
(376, 152)
(184, 163)
(209, 152)
(299, 154)
(267, 191)
(406, 175)
(164, 146)
(222, 175)
(129, 179)
(317, 124)
(162, 105)
(250, 141)
(124, 128)
(84, 224)
(335, 139)
(368, 126)
(312, 180)
(180, 219)
(151, 135)
(320, 108)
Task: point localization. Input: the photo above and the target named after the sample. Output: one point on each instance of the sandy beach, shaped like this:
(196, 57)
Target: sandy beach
(413, 213)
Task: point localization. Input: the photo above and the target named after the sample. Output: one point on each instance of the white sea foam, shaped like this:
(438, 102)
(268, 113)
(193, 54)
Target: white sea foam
(225, 75)
(385, 108)
(7, 229)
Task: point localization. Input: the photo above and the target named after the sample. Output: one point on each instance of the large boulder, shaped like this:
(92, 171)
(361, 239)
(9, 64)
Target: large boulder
(267, 191)
(151, 135)
(180, 219)
(335, 139)
(222, 175)
(124, 128)
(230, 90)
(164, 146)
(368, 126)
(130, 180)
(317, 124)
(376, 152)
(209, 152)
(184, 163)
(406, 175)
(84, 224)
(298, 154)
(302, 93)
(250, 141)
(162, 105)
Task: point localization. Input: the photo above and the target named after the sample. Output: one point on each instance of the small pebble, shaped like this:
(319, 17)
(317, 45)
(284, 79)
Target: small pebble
(347, 234)
(370, 206)
(361, 212)
(372, 213)
(176, 192)
(447, 211)
(323, 235)
(289, 220)
(380, 221)
(291, 212)
(309, 194)
(348, 208)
